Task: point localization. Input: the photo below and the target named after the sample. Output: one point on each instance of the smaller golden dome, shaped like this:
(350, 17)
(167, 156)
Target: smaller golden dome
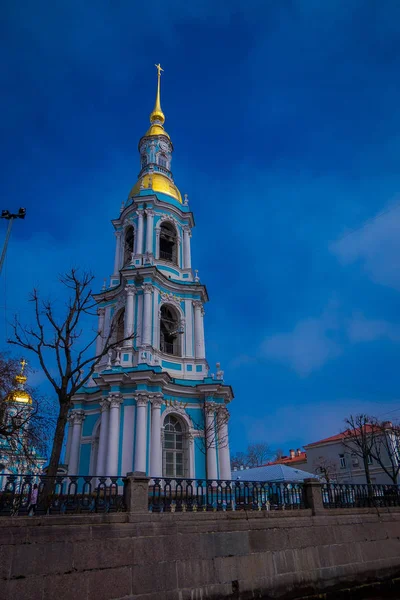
(19, 394)
(159, 183)
(156, 129)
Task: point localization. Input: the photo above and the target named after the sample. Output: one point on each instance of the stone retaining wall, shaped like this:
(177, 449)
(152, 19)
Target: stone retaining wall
(195, 555)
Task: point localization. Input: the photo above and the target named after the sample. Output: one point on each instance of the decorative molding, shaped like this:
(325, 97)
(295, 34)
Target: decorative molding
(148, 288)
(156, 400)
(211, 407)
(101, 311)
(139, 213)
(77, 417)
(171, 299)
(104, 404)
(149, 212)
(118, 233)
(130, 289)
(142, 399)
(115, 399)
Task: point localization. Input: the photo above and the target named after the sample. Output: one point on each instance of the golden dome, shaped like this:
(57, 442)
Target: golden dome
(160, 183)
(19, 394)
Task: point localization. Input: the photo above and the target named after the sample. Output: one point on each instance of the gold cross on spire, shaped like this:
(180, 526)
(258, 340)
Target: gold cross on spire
(159, 69)
(23, 364)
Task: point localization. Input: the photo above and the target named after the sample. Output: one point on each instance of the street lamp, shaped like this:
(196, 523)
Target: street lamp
(5, 214)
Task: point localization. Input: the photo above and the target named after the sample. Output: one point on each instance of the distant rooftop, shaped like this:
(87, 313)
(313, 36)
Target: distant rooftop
(273, 473)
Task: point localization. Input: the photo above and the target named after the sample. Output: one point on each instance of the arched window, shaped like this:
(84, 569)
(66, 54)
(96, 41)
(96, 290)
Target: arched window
(173, 448)
(129, 245)
(168, 243)
(170, 331)
(162, 160)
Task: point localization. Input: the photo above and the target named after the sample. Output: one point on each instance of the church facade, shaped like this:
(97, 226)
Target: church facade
(153, 406)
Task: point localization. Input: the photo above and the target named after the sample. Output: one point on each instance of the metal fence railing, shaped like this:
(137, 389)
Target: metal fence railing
(72, 494)
(343, 495)
(179, 495)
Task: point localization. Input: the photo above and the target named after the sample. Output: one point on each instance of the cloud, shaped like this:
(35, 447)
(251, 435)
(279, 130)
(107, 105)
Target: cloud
(308, 347)
(361, 329)
(376, 247)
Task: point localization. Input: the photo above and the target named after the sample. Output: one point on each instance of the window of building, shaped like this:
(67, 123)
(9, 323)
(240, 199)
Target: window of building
(354, 460)
(173, 455)
(129, 244)
(170, 331)
(168, 243)
(342, 460)
(370, 461)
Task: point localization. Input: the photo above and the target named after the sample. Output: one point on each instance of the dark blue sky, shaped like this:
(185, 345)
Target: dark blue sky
(285, 118)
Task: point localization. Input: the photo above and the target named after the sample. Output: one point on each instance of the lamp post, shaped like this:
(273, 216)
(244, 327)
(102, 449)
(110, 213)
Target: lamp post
(10, 218)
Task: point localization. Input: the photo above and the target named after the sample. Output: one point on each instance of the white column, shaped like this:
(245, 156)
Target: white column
(189, 350)
(223, 444)
(129, 314)
(210, 441)
(139, 237)
(187, 259)
(103, 439)
(78, 418)
(69, 439)
(141, 433)
(158, 232)
(147, 312)
(113, 434)
(149, 231)
(156, 450)
(199, 329)
(117, 259)
(100, 330)
(178, 252)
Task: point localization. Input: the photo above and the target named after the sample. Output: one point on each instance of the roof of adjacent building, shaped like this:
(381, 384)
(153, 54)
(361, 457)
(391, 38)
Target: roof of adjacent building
(289, 460)
(272, 473)
(339, 436)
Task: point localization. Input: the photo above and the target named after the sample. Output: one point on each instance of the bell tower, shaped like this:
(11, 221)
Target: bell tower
(157, 300)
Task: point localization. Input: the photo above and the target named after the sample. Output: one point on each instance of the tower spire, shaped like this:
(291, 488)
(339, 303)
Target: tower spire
(157, 114)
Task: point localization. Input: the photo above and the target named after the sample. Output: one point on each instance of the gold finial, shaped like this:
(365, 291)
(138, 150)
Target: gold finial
(23, 364)
(157, 114)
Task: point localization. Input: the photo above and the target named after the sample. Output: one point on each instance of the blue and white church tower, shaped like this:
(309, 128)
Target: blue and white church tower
(153, 407)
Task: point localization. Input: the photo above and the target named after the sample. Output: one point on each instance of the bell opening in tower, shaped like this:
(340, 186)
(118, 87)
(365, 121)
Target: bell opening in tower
(168, 243)
(170, 331)
(129, 244)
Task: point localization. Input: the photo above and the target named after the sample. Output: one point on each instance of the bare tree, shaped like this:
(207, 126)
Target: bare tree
(258, 454)
(359, 439)
(278, 454)
(255, 456)
(386, 447)
(239, 459)
(327, 468)
(57, 341)
(25, 428)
